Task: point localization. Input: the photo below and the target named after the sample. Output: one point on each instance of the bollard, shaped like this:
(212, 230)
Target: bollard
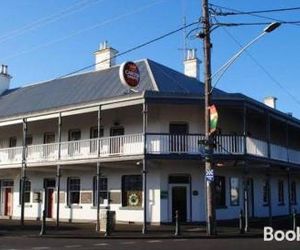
(107, 230)
(241, 222)
(294, 219)
(43, 226)
(177, 224)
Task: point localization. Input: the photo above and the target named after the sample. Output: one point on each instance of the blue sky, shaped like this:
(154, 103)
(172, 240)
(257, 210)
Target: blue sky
(41, 40)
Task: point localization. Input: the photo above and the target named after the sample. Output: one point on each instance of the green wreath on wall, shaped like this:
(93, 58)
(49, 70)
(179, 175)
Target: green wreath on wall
(133, 200)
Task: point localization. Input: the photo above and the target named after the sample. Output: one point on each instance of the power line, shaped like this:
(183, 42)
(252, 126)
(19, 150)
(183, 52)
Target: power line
(79, 5)
(271, 77)
(131, 49)
(256, 15)
(252, 24)
(77, 32)
(253, 12)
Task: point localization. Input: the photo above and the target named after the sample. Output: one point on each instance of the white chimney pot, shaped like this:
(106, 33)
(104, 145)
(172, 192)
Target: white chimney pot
(4, 79)
(191, 64)
(105, 57)
(270, 101)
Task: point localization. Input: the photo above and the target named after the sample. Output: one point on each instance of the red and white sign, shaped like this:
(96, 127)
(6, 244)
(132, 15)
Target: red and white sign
(129, 74)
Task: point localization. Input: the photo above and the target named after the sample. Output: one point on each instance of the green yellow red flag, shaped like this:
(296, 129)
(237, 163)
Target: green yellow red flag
(213, 118)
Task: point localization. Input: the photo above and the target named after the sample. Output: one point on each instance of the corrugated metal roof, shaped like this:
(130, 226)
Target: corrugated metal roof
(93, 86)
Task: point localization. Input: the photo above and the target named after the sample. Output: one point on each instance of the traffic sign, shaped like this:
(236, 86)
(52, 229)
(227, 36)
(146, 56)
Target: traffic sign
(209, 175)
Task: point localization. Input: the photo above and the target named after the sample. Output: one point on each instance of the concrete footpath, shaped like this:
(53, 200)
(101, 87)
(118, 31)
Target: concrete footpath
(225, 229)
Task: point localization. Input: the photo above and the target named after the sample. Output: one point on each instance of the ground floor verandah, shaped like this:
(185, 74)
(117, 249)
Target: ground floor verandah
(171, 185)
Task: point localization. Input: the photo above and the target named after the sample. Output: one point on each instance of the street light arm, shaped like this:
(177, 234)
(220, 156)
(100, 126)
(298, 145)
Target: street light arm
(225, 67)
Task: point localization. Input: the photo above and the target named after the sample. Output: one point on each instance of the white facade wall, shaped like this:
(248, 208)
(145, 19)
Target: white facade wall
(159, 209)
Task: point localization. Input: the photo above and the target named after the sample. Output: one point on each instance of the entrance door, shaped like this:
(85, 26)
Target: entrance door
(8, 202)
(50, 199)
(116, 144)
(179, 202)
(178, 138)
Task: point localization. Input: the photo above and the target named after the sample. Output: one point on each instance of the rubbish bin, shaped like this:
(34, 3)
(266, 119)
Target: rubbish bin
(107, 220)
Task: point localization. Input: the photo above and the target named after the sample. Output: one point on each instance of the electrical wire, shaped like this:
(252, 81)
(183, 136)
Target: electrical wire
(78, 6)
(131, 49)
(254, 11)
(77, 32)
(259, 16)
(268, 74)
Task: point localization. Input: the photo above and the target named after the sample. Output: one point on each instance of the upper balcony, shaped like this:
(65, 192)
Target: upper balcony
(156, 144)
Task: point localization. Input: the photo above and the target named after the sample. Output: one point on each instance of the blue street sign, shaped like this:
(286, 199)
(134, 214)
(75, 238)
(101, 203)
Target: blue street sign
(210, 175)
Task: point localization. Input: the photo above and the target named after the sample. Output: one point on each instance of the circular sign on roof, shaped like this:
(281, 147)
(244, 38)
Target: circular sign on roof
(129, 74)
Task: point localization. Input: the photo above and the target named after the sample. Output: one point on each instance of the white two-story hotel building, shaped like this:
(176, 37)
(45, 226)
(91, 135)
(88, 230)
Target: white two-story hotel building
(58, 136)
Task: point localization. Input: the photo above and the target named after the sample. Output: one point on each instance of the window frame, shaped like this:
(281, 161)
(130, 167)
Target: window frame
(102, 192)
(223, 191)
(293, 188)
(280, 192)
(266, 196)
(27, 192)
(70, 192)
(138, 189)
(232, 203)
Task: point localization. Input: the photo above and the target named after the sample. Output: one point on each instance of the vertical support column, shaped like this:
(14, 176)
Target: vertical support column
(145, 121)
(245, 127)
(58, 171)
(268, 132)
(23, 171)
(246, 197)
(269, 197)
(289, 190)
(287, 140)
(98, 171)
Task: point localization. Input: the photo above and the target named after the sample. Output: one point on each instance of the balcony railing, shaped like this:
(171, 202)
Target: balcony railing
(159, 144)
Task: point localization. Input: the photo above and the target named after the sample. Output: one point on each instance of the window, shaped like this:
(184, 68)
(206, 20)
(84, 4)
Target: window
(102, 189)
(94, 132)
(28, 140)
(94, 135)
(178, 138)
(181, 179)
(293, 193)
(12, 142)
(266, 193)
(132, 190)
(73, 191)
(74, 148)
(27, 190)
(280, 192)
(220, 191)
(74, 134)
(234, 191)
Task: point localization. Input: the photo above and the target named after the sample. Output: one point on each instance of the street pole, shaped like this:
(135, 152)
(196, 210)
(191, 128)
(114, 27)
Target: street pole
(210, 206)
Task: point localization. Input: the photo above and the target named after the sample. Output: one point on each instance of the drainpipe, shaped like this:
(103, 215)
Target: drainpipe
(145, 120)
(98, 170)
(23, 171)
(58, 170)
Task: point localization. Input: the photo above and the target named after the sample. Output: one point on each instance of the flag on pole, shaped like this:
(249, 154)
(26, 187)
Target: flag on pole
(213, 118)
